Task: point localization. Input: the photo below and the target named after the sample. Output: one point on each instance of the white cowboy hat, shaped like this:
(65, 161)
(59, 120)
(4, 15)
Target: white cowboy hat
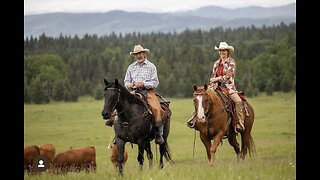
(224, 45)
(139, 48)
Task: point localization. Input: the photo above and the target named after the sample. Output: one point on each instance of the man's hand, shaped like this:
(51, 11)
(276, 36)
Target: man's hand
(130, 85)
(139, 84)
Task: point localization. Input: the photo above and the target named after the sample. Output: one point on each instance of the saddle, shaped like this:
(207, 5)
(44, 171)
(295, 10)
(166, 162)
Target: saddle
(223, 93)
(163, 103)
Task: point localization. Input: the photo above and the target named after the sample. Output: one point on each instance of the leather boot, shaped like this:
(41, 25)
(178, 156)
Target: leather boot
(159, 139)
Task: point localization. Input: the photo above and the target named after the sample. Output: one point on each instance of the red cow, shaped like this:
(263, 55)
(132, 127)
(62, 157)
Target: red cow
(75, 159)
(30, 152)
(114, 156)
(47, 150)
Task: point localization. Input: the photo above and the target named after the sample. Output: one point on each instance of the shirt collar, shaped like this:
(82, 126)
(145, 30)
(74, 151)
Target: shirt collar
(144, 62)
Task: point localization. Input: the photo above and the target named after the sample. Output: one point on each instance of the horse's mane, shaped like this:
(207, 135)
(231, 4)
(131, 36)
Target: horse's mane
(213, 96)
(130, 97)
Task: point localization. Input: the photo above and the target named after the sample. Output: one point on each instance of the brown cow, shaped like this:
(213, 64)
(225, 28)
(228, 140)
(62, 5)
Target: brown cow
(47, 150)
(75, 159)
(30, 153)
(114, 156)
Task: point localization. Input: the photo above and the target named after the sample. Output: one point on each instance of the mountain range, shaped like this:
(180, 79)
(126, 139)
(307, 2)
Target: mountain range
(204, 18)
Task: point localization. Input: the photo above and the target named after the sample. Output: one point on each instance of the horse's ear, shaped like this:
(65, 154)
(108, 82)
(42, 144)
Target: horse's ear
(195, 87)
(116, 82)
(105, 82)
(205, 86)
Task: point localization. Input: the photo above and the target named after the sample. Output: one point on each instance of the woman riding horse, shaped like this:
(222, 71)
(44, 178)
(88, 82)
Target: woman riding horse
(212, 119)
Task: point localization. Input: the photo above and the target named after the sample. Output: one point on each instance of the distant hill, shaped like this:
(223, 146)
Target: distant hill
(52, 24)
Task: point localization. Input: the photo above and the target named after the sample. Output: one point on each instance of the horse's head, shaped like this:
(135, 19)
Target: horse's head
(111, 98)
(202, 103)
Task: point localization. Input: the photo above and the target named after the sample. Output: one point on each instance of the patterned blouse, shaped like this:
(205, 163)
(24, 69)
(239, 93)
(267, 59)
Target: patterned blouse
(228, 74)
(146, 72)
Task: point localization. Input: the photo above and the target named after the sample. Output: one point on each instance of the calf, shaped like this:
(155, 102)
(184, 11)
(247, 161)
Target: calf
(114, 156)
(48, 151)
(75, 159)
(30, 153)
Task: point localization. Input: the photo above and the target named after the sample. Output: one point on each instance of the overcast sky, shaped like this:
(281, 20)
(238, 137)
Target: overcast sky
(46, 6)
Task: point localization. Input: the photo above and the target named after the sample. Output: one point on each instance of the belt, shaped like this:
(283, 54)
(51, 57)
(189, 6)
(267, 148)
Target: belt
(223, 84)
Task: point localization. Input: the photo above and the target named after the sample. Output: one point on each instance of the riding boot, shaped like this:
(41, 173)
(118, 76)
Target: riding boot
(238, 110)
(159, 132)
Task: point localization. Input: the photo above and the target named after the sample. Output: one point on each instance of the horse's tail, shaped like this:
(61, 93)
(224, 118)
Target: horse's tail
(167, 153)
(251, 147)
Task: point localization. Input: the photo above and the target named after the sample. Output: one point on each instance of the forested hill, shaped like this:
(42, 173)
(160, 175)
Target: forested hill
(117, 22)
(66, 67)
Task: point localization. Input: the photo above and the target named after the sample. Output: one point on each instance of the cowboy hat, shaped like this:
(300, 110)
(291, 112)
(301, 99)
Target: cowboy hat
(138, 48)
(224, 45)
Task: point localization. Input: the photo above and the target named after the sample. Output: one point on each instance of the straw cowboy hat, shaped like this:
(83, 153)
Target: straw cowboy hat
(138, 48)
(224, 45)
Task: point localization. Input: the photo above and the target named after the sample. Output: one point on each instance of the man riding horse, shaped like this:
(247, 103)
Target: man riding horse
(142, 74)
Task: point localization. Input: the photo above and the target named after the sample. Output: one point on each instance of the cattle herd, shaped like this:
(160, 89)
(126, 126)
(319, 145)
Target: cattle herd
(73, 159)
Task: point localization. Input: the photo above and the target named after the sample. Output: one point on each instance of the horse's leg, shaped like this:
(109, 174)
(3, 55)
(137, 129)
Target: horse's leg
(141, 147)
(121, 145)
(149, 154)
(207, 143)
(247, 144)
(216, 141)
(234, 143)
(244, 144)
(164, 148)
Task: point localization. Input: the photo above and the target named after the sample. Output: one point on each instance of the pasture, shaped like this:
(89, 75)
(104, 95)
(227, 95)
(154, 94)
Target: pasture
(80, 124)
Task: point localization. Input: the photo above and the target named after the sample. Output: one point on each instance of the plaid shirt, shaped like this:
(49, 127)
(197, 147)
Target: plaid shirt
(229, 71)
(146, 73)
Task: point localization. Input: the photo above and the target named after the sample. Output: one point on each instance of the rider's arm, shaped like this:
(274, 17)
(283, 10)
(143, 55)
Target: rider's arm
(153, 82)
(127, 79)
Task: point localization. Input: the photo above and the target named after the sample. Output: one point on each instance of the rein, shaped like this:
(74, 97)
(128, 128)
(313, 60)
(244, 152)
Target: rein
(215, 113)
(125, 124)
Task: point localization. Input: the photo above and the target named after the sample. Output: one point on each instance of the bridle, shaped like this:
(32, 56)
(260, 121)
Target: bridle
(216, 111)
(202, 93)
(118, 99)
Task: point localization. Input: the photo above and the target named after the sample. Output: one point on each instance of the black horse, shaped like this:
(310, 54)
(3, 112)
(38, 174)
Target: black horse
(134, 123)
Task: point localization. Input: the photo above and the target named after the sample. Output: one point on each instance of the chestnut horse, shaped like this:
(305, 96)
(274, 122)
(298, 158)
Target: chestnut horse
(211, 119)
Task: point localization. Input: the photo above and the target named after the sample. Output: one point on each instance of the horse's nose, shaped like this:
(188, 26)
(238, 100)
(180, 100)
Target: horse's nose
(191, 123)
(104, 114)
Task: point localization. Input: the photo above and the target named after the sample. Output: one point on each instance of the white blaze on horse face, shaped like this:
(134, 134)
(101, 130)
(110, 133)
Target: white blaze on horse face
(200, 113)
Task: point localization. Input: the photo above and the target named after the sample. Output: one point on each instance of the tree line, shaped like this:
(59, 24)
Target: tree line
(65, 67)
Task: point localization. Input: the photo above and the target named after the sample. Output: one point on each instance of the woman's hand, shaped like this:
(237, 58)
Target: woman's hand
(214, 79)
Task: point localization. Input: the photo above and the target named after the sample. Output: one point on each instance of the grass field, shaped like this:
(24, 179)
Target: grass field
(80, 124)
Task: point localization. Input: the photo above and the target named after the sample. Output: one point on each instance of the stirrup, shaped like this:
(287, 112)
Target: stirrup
(159, 139)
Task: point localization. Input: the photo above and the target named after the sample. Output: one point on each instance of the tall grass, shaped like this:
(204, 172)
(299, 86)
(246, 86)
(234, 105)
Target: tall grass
(80, 124)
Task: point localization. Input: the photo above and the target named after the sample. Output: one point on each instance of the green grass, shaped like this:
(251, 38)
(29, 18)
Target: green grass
(80, 124)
